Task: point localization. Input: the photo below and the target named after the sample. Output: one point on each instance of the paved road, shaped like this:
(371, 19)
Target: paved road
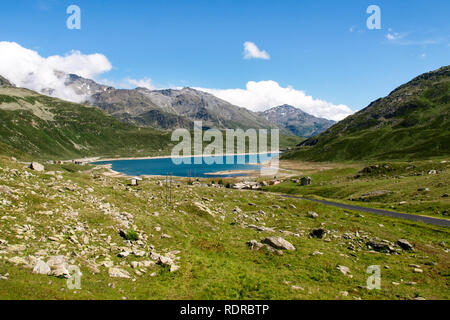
(411, 217)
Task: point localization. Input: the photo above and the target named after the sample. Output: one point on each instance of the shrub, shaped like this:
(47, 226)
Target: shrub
(130, 235)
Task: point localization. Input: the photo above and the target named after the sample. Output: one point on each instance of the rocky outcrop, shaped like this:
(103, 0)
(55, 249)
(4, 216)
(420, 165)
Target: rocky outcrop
(5, 82)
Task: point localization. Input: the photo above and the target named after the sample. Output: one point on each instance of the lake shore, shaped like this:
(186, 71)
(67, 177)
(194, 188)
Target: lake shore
(99, 159)
(239, 173)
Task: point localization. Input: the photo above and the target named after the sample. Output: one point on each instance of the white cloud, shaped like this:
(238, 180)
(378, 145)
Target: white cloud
(26, 68)
(394, 36)
(251, 51)
(402, 39)
(142, 83)
(129, 83)
(263, 95)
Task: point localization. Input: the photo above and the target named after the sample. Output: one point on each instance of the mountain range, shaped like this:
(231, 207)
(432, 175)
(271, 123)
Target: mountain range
(413, 121)
(36, 126)
(179, 108)
(296, 121)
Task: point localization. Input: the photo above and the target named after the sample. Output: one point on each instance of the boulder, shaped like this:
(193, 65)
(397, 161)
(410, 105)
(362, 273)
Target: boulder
(56, 260)
(261, 228)
(60, 271)
(165, 261)
(118, 273)
(174, 268)
(318, 233)
(343, 269)
(203, 208)
(255, 245)
(123, 254)
(237, 210)
(37, 167)
(380, 246)
(278, 243)
(41, 268)
(312, 214)
(58, 266)
(18, 261)
(404, 244)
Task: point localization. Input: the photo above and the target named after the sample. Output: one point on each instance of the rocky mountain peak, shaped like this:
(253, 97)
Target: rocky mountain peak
(296, 121)
(5, 82)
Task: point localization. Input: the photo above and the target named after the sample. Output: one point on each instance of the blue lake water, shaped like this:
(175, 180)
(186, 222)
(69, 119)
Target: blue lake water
(163, 166)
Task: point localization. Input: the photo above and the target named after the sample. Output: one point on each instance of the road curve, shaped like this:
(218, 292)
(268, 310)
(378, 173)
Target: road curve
(411, 217)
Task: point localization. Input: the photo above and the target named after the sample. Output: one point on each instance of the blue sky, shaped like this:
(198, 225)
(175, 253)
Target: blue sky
(321, 47)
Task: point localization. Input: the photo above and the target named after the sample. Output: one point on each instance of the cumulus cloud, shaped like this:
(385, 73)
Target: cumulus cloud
(26, 68)
(263, 95)
(251, 51)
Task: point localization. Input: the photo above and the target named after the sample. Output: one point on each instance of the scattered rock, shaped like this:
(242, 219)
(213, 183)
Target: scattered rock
(255, 245)
(278, 243)
(60, 271)
(261, 228)
(380, 246)
(343, 269)
(174, 268)
(36, 167)
(344, 293)
(118, 273)
(297, 288)
(41, 268)
(404, 244)
(18, 261)
(204, 208)
(312, 214)
(318, 233)
(124, 254)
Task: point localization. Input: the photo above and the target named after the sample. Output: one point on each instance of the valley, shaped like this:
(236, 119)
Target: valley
(130, 244)
(208, 238)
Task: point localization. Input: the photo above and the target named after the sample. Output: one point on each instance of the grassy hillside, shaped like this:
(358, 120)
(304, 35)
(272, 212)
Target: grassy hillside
(417, 187)
(43, 127)
(413, 122)
(79, 215)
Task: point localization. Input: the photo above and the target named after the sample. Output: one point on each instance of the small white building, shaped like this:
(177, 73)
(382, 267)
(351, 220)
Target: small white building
(135, 181)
